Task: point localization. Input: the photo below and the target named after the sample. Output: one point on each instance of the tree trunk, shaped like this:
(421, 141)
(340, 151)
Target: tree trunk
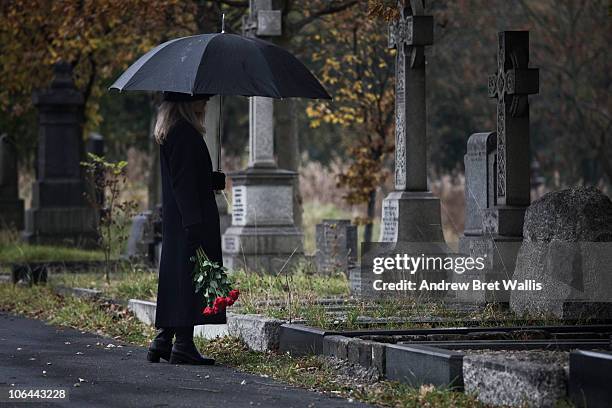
(367, 234)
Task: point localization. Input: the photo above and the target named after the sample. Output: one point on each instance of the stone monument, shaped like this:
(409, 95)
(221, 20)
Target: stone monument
(59, 213)
(336, 246)
(567, 249)
(411, 224)
(11, 207)
(262, 236)
(411, 213)
(497, 168)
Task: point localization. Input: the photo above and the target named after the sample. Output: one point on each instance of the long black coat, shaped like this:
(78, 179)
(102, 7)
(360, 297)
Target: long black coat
(188, 200)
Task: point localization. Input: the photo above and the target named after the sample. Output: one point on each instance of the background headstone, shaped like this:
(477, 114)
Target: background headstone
(336, 246)
(567, 248)
(11, 207)
(411, 213)
(142, 241)
(263, 235)
(497, 169)
(59, 212)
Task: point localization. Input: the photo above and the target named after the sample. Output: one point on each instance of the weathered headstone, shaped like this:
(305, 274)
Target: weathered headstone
(59, 212)
(336, 250)
(11, 207)
(143, 238)
(263, 235)
(497, 168)
(567, 248)
(411, 213)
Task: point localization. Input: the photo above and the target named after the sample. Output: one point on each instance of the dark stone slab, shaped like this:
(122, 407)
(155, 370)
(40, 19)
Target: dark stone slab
(336, 346)
(419, 365)
(590, 378)
(301, 340)
(30, 274)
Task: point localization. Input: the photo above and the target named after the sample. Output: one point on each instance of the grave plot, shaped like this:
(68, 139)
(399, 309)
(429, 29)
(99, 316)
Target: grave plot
(508, 365)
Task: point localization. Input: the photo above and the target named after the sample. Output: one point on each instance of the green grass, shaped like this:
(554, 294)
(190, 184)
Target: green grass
(129, 283)
(13, 250)
(46, 253)
(310, 372)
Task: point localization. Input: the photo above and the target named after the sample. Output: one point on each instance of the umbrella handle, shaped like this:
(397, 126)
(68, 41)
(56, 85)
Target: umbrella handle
(219, 132)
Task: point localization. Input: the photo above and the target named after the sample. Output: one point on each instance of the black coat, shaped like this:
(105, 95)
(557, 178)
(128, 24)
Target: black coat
(188, 201)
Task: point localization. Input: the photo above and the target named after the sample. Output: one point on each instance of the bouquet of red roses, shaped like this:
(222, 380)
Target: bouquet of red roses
(211, 278)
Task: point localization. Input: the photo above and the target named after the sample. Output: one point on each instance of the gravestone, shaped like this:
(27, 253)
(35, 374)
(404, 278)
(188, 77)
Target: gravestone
(59, 213)
(497, 169)
(11, 207)
(144, 237)
(411, 223)
(411, 213)
(336, 242)
(567, 248)
(263, 235)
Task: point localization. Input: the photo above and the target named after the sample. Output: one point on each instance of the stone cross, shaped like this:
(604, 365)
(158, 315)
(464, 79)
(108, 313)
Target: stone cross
(511, 85)
(262, 21)
(262, 236)
(411, 213)
(410, 34)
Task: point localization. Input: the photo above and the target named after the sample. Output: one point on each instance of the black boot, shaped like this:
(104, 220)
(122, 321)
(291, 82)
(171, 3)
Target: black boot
(161, 345)
(184, 350)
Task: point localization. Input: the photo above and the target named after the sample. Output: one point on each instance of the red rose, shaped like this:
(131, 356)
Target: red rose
(207, 311)
(234, 294)
(215, 310)
(229, 301)
(220, 303)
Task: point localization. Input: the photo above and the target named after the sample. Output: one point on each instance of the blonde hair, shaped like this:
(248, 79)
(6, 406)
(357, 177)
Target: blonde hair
(168, 113)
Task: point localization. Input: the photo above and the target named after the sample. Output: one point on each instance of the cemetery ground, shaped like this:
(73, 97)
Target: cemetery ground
(116, 324)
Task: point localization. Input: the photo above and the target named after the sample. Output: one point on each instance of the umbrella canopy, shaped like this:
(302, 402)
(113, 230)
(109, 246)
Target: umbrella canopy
(221, 64)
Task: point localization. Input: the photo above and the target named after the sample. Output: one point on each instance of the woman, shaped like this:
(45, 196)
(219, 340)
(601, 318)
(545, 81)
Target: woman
(190, 220)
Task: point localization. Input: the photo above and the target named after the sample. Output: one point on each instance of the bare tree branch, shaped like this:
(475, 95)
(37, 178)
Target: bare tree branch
(331, 9)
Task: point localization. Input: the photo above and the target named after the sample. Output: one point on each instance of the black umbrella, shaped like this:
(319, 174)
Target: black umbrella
(221, 64)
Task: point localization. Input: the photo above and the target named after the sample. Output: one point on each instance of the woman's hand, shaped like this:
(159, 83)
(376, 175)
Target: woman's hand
(218, 180)
(195, 236)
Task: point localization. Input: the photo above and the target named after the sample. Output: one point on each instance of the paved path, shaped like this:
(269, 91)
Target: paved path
(38, 355)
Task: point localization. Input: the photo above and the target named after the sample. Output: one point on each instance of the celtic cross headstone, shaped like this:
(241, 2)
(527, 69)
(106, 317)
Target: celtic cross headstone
(411, 213)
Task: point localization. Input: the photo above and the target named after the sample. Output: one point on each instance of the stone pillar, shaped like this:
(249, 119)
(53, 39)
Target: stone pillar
(411, 213)
(263, 236)
(60, 214)
(11, 207)
(497, 171)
